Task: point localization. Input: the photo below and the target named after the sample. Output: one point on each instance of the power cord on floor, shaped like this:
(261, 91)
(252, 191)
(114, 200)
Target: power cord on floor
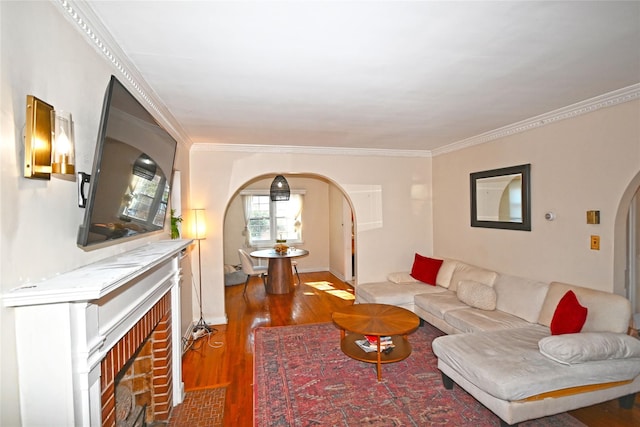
(197, 336)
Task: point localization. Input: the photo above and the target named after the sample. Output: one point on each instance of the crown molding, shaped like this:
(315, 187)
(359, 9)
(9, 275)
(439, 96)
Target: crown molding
(294, 149)
(610, 99)
(606, 100)
(85, 20)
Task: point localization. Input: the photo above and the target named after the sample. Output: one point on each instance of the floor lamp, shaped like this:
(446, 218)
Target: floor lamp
(200, 233)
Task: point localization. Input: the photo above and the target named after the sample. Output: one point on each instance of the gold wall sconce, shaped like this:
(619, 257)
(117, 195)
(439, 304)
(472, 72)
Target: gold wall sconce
(48, 144)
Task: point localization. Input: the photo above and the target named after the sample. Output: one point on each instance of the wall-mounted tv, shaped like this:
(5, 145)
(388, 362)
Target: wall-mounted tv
(130, 179)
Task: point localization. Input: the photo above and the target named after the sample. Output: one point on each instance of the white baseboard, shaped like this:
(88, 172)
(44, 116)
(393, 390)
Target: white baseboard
(217, 320)
(338, 275)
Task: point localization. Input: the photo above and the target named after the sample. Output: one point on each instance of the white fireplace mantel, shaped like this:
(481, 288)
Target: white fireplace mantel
(65, 325)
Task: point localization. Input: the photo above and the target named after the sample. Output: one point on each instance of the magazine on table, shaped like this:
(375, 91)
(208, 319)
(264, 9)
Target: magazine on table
(370, 344)
(384, 340)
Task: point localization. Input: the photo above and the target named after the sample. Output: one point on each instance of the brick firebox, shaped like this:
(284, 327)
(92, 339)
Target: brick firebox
(156, 326)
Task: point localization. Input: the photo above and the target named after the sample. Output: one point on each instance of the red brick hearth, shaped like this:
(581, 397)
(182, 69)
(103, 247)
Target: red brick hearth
(155, 325)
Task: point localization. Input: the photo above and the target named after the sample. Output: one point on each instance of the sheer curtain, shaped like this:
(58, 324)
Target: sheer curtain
(297, 201)
(246, 203)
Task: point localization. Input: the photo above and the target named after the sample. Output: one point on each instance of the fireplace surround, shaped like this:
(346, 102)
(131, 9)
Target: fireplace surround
(86, 324)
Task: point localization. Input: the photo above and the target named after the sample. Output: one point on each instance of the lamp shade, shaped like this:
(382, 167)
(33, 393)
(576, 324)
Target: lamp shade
(198, 224)
(280, 189)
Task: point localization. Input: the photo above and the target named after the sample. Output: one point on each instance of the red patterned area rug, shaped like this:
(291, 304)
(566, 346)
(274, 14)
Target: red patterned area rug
(302, 378)
(201, 408)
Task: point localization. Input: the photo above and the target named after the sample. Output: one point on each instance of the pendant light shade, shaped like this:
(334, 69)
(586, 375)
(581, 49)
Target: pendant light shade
(144, 167)
(279, 189)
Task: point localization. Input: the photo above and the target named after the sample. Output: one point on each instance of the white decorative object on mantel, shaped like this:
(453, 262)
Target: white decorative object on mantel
(66, 325)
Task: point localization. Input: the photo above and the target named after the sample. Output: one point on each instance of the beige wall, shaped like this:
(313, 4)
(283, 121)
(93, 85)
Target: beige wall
(579, 164)
(42, 55)
(404, 212)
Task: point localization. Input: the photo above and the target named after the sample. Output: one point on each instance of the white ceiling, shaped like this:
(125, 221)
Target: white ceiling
(371, 74)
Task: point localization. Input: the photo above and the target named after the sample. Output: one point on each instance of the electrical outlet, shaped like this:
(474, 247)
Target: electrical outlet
(595, 243)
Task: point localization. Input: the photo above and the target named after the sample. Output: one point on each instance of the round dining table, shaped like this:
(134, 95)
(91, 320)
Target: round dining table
(280, 272)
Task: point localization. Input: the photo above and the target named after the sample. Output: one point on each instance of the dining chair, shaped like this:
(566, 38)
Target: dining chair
(294, 264)
(250, 269)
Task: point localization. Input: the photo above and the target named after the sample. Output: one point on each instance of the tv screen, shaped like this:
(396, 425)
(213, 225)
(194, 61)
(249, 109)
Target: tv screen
(130, 180)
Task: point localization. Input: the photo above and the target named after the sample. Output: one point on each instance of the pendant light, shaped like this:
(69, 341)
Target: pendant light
(279, 189)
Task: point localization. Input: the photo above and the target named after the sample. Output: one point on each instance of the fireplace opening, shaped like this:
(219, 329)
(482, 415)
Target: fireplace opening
(134, 391)
(128, 413)
(136, 374)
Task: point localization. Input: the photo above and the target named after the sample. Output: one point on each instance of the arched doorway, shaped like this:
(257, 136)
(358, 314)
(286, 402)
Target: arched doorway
(626, 257)
(633, 256)
(327, 224)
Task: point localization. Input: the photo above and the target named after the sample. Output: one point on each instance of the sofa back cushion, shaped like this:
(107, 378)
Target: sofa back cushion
(401, 277)
(520, 297)
(606, 312)
(477, 295)
(446, 271)
(469, 272)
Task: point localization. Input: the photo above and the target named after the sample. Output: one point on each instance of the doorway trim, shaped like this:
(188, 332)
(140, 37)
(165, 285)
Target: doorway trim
(632, 253)
(351, 272)
(620, 262)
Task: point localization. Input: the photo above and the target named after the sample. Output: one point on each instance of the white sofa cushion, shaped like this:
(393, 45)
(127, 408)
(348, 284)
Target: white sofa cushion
(401, 277)
(443, 277)
(477, 295)
(470, 272)
(475, 320)
(400, 294)
(446, 271)
(508, 365)
(606, 312)
(438, 304)
(589, 346)
(520, 297)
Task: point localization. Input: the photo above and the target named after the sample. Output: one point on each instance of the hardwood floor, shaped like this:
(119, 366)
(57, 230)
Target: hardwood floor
(226, 357)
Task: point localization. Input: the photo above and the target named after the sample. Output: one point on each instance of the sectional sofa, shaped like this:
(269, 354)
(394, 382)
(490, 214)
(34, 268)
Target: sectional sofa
(523, 348)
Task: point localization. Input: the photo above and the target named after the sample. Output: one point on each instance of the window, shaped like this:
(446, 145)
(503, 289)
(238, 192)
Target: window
(268, 221)
(142, 204)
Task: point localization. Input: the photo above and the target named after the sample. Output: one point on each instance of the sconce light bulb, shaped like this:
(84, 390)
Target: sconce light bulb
(63, 156)
(62, 142)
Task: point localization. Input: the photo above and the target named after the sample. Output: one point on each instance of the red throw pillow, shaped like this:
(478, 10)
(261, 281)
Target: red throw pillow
(569, 316)
(425, 269)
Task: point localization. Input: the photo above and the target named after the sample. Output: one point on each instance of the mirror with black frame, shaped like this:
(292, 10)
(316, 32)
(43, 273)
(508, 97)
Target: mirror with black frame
(500, 198)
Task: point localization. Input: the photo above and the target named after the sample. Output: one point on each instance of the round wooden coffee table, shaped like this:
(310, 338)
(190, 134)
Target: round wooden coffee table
(378, 320)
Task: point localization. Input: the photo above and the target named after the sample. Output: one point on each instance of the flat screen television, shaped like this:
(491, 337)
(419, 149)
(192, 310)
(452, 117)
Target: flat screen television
(130, 179)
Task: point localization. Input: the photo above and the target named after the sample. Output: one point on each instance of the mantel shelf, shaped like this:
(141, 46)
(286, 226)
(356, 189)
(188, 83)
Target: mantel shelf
(93, 281)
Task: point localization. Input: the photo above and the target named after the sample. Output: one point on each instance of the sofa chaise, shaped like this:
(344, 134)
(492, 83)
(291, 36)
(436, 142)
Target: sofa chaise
(514, 343)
